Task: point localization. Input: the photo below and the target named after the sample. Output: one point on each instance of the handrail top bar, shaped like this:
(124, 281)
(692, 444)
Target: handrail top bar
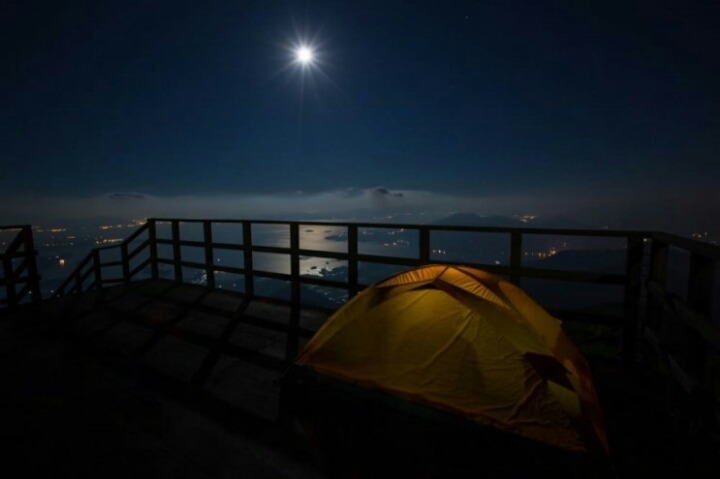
(693, 246)
(479, 229)
(137, 233)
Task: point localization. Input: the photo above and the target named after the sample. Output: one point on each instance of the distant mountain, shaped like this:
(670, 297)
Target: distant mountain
(473, 219)
(562, 222)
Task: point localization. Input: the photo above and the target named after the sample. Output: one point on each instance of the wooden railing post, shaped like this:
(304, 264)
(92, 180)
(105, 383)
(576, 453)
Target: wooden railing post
(208, 240)
(295, 264)
(657, 277)
(515, 256)
(352, 239)
(701, 285)
(10, 290)
(248, 259)
(152, 236)
(292, 340)
(633, 289)
(125, 262)
(78, 281)
(32, 264)
(177, 259)
(424, 244)
(97, 267)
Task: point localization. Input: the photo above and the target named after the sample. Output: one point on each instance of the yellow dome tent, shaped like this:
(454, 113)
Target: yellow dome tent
(465, 342)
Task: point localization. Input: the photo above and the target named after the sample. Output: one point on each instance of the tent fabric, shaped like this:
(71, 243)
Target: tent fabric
(466, 342)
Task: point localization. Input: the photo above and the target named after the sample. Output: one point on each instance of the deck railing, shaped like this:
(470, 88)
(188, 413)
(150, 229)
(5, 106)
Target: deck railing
(91, 272)
(138, 255)
(19, 278)
(684, 331)
(683, 323)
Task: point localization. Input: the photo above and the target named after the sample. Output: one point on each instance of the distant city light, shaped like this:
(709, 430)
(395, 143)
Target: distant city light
(61, 262)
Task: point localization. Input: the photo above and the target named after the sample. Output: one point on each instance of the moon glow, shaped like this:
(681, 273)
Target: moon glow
(304, 55)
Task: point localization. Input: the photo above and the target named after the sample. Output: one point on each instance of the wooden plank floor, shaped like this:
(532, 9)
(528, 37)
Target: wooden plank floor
(148, 378)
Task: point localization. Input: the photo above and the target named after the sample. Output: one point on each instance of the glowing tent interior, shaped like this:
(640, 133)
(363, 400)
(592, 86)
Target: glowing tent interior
(468, 343)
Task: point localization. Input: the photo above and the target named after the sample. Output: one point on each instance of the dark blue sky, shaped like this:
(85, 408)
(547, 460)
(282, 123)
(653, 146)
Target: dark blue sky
(475, 98)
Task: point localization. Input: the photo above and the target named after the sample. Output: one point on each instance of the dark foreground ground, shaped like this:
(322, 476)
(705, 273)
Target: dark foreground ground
(165, 380)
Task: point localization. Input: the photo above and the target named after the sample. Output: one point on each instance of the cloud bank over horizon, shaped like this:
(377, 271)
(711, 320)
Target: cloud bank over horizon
(673, 210)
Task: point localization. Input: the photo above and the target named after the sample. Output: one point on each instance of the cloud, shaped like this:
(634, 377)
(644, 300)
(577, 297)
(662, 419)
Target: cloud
(382, 191)
(353, 192)
(675, 210)
(126, 196)
(349, 202)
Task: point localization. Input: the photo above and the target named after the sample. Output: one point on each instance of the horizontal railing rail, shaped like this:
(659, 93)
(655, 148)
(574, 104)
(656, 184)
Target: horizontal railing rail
(19, 278)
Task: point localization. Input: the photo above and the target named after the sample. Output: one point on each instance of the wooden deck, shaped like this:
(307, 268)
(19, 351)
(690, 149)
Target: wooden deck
(175, 380)
(150, 378)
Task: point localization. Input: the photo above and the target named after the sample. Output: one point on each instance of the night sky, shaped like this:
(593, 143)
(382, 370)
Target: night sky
(471, 99)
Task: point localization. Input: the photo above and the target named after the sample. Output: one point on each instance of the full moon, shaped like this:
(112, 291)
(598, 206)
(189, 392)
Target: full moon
(304, 55)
